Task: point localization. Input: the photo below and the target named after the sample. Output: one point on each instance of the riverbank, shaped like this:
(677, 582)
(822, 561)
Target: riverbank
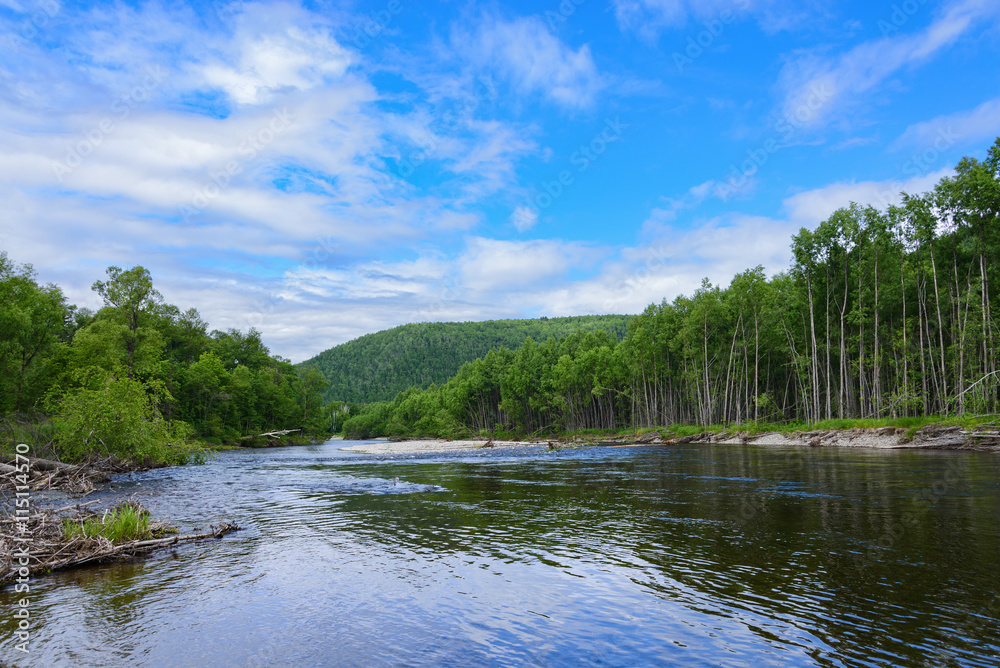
(929, 437)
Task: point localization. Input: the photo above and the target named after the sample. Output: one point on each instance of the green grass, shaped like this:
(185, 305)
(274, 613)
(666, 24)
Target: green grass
(125, 522)
(678, 431)
(912, 424)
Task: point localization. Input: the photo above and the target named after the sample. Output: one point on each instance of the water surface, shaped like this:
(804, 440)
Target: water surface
(693, 555)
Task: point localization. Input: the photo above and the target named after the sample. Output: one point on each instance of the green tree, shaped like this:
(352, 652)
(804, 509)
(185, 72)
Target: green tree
(31, 321)
(133, 302)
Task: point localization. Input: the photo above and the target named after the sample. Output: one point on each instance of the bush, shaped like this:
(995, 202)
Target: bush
(371, 422)
(120, 420)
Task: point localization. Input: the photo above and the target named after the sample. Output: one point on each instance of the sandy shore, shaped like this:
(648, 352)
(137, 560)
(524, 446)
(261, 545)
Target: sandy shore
(434, 446)
(930, 438)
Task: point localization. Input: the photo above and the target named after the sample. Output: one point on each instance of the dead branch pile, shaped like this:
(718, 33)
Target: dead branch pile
(36, 474)
(37, 542)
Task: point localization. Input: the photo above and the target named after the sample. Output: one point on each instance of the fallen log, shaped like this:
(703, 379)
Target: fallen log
(272, 434)
(48, 465)
(129, 550)
(37, 473)
(41, 542)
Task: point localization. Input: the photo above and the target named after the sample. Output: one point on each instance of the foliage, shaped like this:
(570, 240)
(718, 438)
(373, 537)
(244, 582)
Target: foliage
(140, 379)
(374, 421)
(376, 367)
(884, 315)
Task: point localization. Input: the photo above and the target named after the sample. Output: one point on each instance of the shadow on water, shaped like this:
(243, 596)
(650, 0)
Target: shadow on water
(688, 555)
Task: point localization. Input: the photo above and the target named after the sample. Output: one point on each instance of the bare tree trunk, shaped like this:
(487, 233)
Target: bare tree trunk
(814, 415)
(937, 301)
(876, 386)
(829, 398)
(906, 373)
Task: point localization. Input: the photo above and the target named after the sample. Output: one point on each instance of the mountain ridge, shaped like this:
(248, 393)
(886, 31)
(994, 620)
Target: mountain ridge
(377, 366)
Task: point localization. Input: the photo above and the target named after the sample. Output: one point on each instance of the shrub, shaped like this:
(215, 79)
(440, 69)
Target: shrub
(120, 419)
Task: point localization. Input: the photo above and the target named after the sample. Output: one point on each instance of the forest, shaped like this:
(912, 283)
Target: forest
(376, 367)
(139, 379)
(884, 313)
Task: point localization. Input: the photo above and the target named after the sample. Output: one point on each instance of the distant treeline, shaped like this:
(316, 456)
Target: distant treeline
(884, 313)
(378, 366)
(139, 378)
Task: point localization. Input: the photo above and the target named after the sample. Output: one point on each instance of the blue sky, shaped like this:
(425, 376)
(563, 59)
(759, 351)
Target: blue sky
(324, 170)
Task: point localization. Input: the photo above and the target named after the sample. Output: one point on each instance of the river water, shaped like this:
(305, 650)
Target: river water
(692, 555)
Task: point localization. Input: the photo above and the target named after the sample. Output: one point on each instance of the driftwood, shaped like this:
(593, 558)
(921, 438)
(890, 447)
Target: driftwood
(105, 551)
(41, 537)
(47, 474)
(37, 464)
(49, 465)
(272, 434)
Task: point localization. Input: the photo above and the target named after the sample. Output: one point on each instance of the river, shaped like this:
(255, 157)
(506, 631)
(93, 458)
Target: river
(691, 555)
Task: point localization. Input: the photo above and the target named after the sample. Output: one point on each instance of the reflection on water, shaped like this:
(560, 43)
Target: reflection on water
(688, 555)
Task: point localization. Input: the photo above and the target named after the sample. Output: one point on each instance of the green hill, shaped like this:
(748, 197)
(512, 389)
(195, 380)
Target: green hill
(376, 367)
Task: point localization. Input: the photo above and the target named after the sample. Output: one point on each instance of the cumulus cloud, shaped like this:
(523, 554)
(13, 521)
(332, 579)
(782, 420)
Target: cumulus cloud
(269, 61)
(256, 148)
(812, 207)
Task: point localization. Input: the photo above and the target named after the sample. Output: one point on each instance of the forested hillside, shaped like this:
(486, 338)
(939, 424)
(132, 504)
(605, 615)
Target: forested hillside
(138, 379)
(376, 367)
(884, 313)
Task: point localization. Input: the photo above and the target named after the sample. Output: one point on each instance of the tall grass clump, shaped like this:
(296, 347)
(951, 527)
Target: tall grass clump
(125, 522)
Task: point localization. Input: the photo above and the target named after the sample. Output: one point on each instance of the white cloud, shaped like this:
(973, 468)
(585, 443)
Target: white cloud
(810, 208)
(506, 266)
(814, 87)
(488, 278)
(650, 18)
(524, 218)
(661, 216)
(534, 60)
(963, 127)
(291, 58)
(678, 254)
